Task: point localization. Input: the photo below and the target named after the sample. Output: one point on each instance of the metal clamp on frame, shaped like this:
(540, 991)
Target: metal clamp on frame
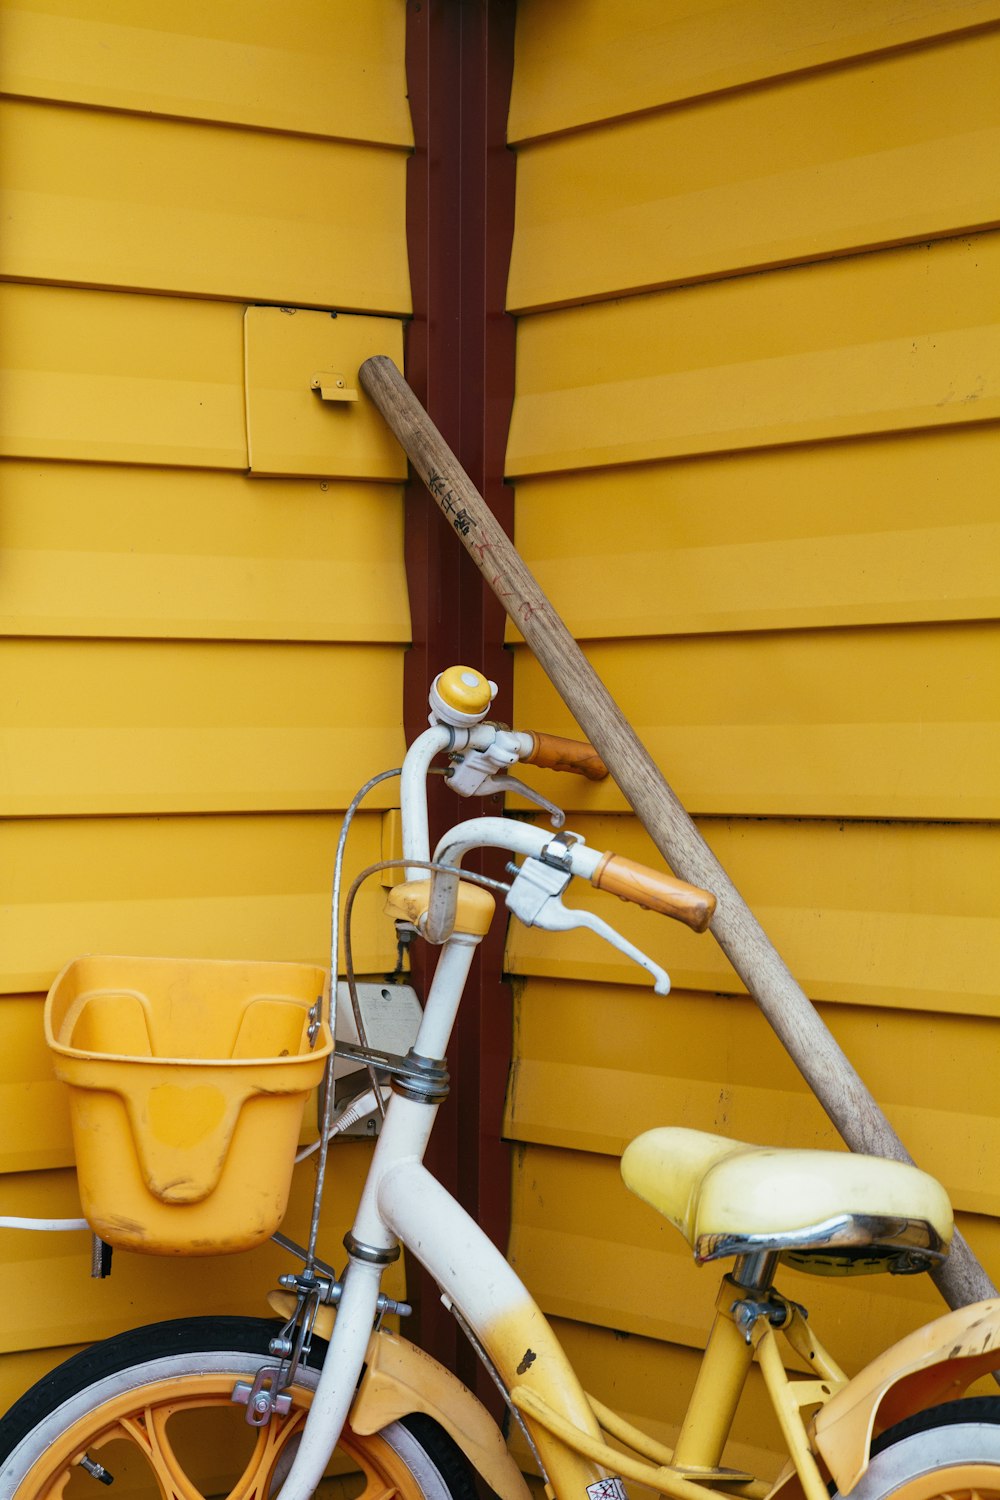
(558, 852)
(422, 1078)
(372, 1255)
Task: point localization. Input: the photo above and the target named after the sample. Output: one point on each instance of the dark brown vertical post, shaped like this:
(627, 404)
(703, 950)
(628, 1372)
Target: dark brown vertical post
(460, 359)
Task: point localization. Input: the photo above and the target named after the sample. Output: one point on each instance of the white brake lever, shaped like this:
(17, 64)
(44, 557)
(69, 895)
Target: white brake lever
(508, 784)
(534, 898)
(480, 773)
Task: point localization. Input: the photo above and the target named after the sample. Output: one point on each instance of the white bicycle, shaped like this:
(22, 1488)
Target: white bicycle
(253, 1409)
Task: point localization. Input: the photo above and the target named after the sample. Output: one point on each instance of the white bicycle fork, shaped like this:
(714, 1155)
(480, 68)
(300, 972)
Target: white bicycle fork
(374, 1238)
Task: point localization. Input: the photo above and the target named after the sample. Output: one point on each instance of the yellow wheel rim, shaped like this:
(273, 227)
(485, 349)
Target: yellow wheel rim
(144, 1419)
(958, 1482)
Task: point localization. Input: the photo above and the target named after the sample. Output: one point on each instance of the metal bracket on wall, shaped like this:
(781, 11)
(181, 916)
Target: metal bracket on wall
(333, 387)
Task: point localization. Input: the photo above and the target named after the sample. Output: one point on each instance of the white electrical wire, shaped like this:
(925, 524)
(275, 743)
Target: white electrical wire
(9, 1222)
(365, 1104)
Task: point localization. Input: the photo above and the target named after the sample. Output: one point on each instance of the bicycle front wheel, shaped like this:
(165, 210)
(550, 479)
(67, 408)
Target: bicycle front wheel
(153, 1408)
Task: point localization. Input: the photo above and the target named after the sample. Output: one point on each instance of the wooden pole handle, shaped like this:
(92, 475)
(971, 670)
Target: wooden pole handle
(820, 1060)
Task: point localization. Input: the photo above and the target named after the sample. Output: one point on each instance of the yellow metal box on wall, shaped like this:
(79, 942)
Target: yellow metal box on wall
(302, 407)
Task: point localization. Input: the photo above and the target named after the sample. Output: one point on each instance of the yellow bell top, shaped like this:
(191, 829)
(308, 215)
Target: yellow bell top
(465, 690)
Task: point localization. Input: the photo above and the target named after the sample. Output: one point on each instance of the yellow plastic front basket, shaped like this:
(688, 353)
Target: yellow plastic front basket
(188, 1079)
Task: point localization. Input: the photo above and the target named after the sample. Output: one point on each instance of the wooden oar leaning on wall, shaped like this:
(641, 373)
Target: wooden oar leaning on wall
(785, 1005)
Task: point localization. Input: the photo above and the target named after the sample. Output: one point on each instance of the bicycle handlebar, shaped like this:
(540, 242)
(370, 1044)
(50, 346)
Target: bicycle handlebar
(654, 890)
(553, 753)
(481, 756)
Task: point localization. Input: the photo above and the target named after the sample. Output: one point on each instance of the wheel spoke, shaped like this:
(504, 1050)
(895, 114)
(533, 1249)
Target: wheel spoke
(378, 1489)
(255, 1481)
(148, 1431)
(56, 1489)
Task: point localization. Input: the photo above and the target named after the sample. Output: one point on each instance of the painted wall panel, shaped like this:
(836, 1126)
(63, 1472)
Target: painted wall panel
(291, 356)
(125, 378)
(118, 378)
(139, 726)
(886, 722)
(34, 1104)
(596, 62)
(881, 343)
(141, 1286)
(112, 550)
(223, 887)
(300, 67)
(754, 447)
(158, 205)
(186, 649)
(773, 538)
(888, 150)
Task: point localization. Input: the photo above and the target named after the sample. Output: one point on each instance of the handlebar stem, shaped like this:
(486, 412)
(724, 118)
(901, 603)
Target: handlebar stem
(413, 782)
(413, 789)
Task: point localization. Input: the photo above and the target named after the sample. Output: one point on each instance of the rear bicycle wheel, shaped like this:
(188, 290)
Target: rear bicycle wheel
(949, 1452)
(153, 1408)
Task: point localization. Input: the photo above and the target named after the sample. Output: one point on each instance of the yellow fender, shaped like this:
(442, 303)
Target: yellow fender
(399, 1379)
(937, 1363)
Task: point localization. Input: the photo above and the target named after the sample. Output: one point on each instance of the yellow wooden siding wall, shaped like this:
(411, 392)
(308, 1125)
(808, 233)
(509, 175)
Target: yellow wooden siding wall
(755, 450)
(200, 668)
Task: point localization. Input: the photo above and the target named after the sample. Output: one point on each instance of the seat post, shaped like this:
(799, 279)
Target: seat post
(756, 1271)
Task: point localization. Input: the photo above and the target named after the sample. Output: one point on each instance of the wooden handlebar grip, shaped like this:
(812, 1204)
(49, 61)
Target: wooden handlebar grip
(655, 890)
(553, 753)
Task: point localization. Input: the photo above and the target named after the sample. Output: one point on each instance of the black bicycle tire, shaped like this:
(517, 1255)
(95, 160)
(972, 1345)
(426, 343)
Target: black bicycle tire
(192, 1337)
(947, 1414)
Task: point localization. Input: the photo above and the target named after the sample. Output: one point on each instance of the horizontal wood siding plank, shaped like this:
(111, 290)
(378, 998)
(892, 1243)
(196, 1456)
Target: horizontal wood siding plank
(200, 887)
(888, 151)
(710, 1062)
(888, 722)
(112, 550)
(137, 727)
(883, 914)
(301, 66)
(165, 206)
(867, 532)
(118, 378)
(110, 377)
(590, 62)
(885, 342)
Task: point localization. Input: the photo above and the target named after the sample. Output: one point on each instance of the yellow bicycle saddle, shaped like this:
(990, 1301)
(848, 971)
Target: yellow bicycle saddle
(828, 1212)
